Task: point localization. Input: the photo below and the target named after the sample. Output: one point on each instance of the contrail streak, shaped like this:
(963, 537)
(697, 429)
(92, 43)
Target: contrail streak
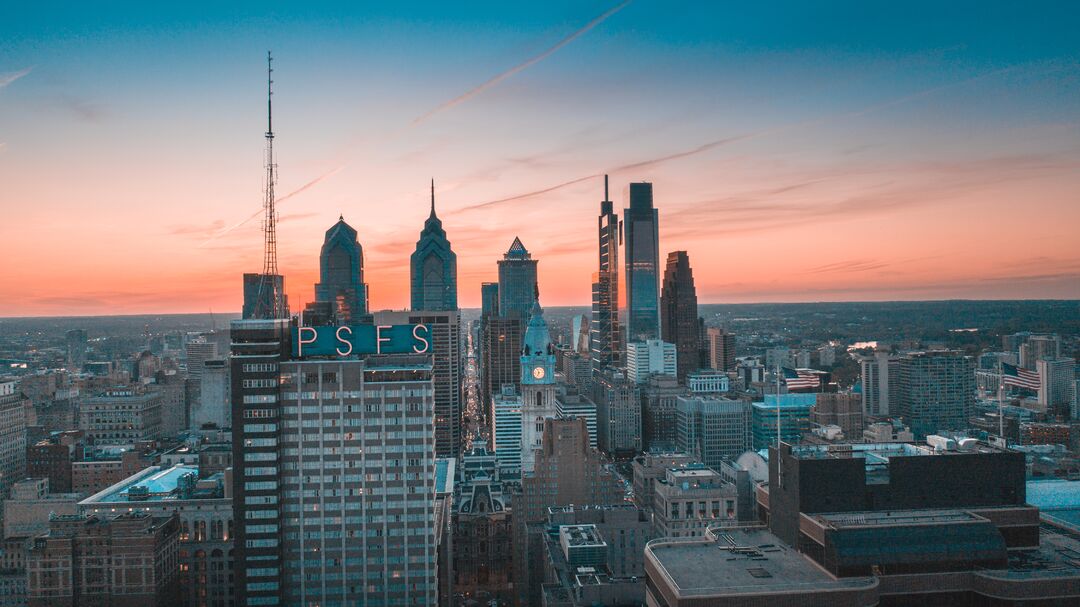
(752, 135)
(298, 190)
(521, 66)
(8, 78)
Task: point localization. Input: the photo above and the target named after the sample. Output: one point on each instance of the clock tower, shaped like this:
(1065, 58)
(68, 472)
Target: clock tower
(537, 385)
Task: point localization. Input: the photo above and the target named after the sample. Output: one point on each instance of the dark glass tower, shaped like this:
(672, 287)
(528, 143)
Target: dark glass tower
(433, 267)
(489, 299)
(341, 275)
(640, 228)
(605, 337)
(678, 313)
(517, 282)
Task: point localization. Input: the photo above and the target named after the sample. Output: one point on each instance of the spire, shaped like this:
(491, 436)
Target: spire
(432, 216)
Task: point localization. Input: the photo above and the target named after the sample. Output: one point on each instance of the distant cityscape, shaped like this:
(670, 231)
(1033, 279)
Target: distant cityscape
(646, 449)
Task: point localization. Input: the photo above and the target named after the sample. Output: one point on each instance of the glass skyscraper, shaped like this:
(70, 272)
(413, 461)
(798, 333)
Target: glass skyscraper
(678, 313)
(341, 274)
(605, 334)
(517, 282)
(640, 225)
(433, 267)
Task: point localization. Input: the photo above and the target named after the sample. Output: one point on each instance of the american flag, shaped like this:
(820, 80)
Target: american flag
(1020, 377)
(795, 379)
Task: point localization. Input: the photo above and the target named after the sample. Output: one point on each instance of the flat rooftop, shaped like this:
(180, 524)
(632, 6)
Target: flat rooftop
(898, 518)
(581, 535)
(741, 561)
(881, 452)
(159, 482)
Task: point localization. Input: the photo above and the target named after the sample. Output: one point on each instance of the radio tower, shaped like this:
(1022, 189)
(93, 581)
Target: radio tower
(264, 294)
(270, 219)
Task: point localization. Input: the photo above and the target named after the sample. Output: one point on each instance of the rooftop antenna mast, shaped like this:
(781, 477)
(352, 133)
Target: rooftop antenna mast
(270, 219)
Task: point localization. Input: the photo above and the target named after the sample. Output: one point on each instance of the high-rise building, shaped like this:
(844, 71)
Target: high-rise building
(445, 335)
(500, 355)
(880, 383)
(506, 426)
(433, 266)
(125, 560)
(1057, 384)
(791, 412)
(213, 404)
(13, 409)
(571, 403)
(258, 349)
(721, 349)
(517, 282)
(658, 400)
(489, 299)
(76, 349)
(642, 238)
(605, 332)
(679, 323)
(335, 454)
(1038, 347)
(937, 391)
(618, 413)
(651, 357)
(341, 275)
(537, 386)
(712, 429)
(567, 471)
(357, 474)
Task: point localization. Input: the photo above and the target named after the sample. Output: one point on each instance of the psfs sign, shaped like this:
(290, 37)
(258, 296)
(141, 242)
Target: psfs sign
(349, 340)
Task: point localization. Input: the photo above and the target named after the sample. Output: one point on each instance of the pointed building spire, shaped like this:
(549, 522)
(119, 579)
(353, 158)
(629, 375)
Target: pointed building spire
(432, 216)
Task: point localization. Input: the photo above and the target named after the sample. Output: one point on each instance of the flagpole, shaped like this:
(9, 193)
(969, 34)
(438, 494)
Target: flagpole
(1001, 404)
(779, 478)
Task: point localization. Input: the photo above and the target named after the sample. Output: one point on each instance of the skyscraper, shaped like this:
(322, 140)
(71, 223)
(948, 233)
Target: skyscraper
(489, 299)
(445, 337)
(937, 391)
(721, 349)
(605, 334)
(517, 282)
(341, 275)
(678, 313)
(1057, 384)
(880, 383)
(618, 413)
(641, 230)
(537, 386)
(333, 469)
(357, 482)
(433, 267)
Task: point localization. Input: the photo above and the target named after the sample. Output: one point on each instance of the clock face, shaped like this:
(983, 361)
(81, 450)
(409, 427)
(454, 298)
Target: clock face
(538, 372)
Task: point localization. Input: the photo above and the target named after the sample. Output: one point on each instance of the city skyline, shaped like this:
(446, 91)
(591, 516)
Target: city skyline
(850, 164)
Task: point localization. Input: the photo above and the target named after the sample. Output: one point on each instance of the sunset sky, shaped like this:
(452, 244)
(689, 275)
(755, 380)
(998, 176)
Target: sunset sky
(799, 151)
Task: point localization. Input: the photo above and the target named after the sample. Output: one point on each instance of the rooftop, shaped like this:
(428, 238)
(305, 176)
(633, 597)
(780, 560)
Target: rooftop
(580, 535)
(154, 484)
(740, 561)
(899, 518)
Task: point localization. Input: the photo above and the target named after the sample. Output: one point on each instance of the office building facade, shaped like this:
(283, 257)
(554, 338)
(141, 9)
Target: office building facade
(433, 267)
(721, 348)
(341, 283)
(605, 333)
(650, 357)
(937, 391)
(517, 282)
(642, 248)
(712, 429)
(679, 324)
(618, 414)
(880, 375)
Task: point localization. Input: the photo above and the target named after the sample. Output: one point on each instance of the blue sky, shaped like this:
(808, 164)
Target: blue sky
(140, 126)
